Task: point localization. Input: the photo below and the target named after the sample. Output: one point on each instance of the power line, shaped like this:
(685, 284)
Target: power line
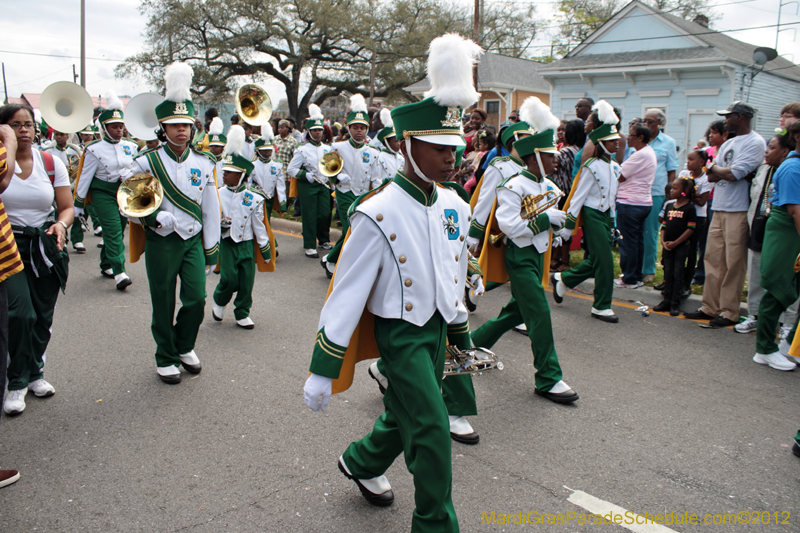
(37, 79)
(75, 57)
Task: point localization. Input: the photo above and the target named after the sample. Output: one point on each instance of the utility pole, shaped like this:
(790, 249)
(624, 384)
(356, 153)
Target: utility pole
(5, 87)
(74, 74)
(83, 44)
(476, 36)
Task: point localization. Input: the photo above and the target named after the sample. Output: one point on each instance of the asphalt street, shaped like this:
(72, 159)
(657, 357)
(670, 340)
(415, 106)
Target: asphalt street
(672, 419)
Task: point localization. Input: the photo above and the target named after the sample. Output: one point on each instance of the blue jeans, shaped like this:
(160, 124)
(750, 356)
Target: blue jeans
(630, 222)
(651, 232)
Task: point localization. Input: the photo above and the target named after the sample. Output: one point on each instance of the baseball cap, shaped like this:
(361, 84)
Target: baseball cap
(738, 107)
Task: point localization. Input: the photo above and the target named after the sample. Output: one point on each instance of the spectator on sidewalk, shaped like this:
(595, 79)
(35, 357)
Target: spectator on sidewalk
(574, 138)
(696, 162)
(726, 250)
(790, 113)
(634, 201)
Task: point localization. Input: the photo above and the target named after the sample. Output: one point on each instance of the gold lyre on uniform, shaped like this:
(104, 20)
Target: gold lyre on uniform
(532, 206)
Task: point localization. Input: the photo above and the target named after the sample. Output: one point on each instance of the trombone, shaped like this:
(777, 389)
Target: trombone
(532, 206)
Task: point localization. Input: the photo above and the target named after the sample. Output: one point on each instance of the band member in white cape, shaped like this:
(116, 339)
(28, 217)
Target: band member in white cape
(69, 154)
(390, 158)
(397, 294)
(315, 196)
(268, 174)
(361, 171)
(106, 164)
(243, 221)
(592, 202)
(182, 236)
(527, 251)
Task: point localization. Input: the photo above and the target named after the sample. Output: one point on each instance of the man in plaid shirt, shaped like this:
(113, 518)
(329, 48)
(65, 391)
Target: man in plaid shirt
(284, 145)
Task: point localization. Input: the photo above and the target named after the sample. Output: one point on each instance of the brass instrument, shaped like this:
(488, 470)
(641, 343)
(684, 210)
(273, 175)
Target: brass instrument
(331, 164)
(140, 195)
(532, 206)
(797, 264)
(66, 106)
(140, 116)
(472, 361)
(253, 104)
(72, 168)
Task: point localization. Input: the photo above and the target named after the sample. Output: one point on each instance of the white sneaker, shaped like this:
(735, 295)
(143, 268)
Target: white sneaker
(619, 284)
(169, 374)
(522, 328)
(311, 252)
(748, 326)
(79, 247)
(41, 389)
(123, 281)
(246, 323)
(15, 401)
(375, 374)
(774, 360)
(217, 311)
(98, 231)
(191, 362)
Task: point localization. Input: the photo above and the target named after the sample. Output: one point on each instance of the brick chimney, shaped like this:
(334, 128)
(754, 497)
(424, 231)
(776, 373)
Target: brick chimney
(701, 19)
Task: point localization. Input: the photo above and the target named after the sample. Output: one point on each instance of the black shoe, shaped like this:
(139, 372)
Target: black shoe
(660, 286)
(686, 293)
(470, 438)
(697, 315)
(554, 283)
(324, 264)
(381, 500)
(721, 322)
(611, 319)
(106, 274)
(675, 309)
(796, 450)
(662, 307)
(171, 380)
(380, 385)
(471, 307)
(124, 284)
(568, 396)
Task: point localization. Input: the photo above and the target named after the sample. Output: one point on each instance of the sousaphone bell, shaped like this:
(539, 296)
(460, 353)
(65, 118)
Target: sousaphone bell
(253, 104)
(140, 116)
(140, 195)
(66, 106)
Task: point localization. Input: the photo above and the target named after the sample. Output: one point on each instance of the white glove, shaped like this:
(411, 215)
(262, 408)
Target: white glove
(564, 233)
(557, 241)
(166, 219)
(477, 281)
(310, 176)
(472, 243)
(343, 178)
(556, 217)
(317, 392)
(79, 211)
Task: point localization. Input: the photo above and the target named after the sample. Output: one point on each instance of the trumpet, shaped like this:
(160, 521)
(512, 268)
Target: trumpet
(472, 361)
(140, 195)
(532, 206)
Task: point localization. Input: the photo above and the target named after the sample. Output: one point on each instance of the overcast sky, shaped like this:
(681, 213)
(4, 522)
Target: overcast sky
(114, 30)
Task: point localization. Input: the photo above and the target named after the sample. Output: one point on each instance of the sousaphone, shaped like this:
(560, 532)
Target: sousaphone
(140, 116)
(253, 104)
(66, 106)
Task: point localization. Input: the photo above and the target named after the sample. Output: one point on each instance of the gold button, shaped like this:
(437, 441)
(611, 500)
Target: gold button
(241, 226)
(461, 238)
(469, 218)
(456, 303)
(455, 279)
(190, 230)
(402, 259)
(408, 283)
(379, 217)
(409, 307)
(456, 258)
(392, 237)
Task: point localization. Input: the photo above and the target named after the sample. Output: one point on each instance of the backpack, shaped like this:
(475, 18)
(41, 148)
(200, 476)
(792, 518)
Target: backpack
(49, 166)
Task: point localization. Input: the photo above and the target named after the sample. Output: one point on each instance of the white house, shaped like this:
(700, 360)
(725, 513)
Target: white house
(643, 58)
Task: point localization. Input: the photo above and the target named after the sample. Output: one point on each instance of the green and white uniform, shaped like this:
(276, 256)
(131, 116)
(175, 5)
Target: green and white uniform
(268, 176)
(315, 198)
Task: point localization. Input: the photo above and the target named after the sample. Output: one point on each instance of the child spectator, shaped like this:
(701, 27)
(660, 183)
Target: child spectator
(695, 170)
(486, 141)
(676, 230)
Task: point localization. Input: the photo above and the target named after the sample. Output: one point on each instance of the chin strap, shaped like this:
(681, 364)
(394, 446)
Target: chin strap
(603, 146)
(107, 136)
(419, 173)
(541, 167)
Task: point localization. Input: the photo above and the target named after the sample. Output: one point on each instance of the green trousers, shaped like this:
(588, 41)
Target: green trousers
(414, 421)
(599, 263)
(104, 200)
(528, 304)
(315, 205)
(31, 304)
(76, 231)
(458, 393)
(166, 259)
(237, 273)
(343, 202)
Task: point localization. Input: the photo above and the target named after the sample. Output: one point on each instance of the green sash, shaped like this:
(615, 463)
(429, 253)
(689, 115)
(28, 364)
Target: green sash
(180, 200)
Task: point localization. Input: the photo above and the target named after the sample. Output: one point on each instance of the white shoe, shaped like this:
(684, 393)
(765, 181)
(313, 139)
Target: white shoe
(311, 252)
(774, 360)
(79, 247)
(123, 281)
(15, 401)
(619, 284)
(461, 430)
(41, 389)
(100, 244)
(98, 231)
(522, 328)
(748, 326)
(169, 374)
(217, 311)
(375, 374)
(376, 491)
(191, 362)
(246, 323)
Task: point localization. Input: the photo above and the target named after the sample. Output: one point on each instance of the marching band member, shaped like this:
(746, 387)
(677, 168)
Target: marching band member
(70, 155)
(396, 277)
(361, 171)
(243, 220)
(182, 236)
(527, 250)
(592, 201)
(105, 164)
(268, 174)
(390, 158)
(86, 135)
(315, 196)
(217, 142)
(249, 151)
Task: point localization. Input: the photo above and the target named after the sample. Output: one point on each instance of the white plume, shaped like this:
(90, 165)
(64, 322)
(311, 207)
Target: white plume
(266, 132)
(178, 80)
(314, 112)
(450, 62)
(97, 124)
(357, 103)
(605, 112)
(216, 127)
(538, 115)
(37, 117)
(386, 118)
(112, 101)
(235, 143)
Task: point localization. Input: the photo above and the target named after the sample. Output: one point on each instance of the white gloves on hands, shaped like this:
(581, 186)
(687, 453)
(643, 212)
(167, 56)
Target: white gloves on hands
(556, 217)
(472, 243)
(557, 241)
(79, 211)
(317, 392)
(343, 178)
(564, 233)
(477, 281)
(166, 219)
(310, 176)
